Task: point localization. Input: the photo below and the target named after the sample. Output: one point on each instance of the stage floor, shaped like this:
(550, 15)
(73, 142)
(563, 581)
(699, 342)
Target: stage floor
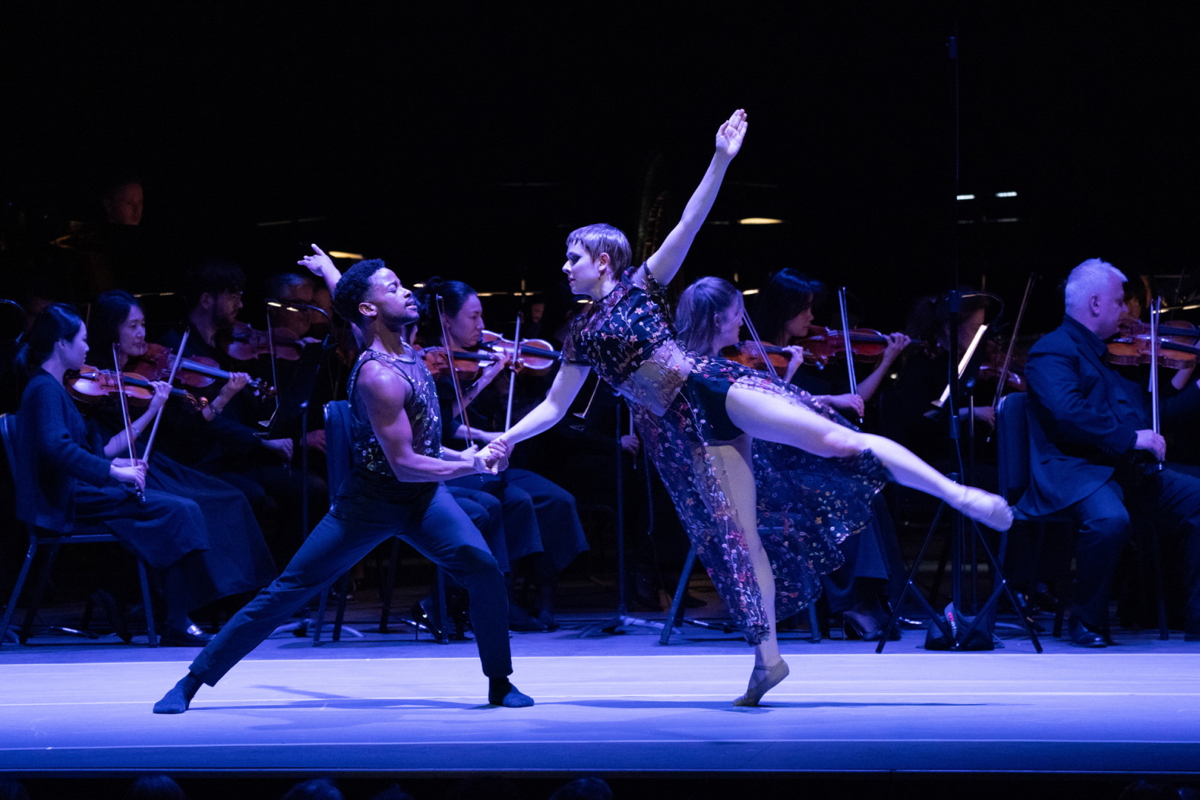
(616, 705)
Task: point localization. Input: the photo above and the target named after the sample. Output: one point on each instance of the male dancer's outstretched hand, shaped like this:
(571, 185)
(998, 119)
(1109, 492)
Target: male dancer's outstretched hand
(731, 134)
(318, 263)
(493, 458)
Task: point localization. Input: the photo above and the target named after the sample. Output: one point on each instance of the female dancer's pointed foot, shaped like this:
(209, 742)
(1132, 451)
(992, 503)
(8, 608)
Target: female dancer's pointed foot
(771, 677)
(503, 693)
(985, 507)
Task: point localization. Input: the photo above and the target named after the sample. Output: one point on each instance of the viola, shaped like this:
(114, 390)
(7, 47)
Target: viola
(248, 343)
(536, 356)
(92, 384)
(195, 371)
(823, 344)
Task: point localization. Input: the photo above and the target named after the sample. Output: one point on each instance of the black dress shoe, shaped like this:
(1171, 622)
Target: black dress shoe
(1083, 636)
(192, 637)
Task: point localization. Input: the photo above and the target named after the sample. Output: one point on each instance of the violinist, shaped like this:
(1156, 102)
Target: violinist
(548, 543)
(261, 470)
(783, 316)
(65, 476)
(1090, 440)
(855, 571)
(238, 559)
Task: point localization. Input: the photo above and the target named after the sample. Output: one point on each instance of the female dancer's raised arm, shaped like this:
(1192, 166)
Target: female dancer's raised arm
(665, 262)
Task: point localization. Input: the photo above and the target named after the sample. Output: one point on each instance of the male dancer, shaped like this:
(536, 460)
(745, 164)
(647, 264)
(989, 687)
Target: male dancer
(394, 489)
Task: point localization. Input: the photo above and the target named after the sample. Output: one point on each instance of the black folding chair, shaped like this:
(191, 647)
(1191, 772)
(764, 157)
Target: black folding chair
(51, 541)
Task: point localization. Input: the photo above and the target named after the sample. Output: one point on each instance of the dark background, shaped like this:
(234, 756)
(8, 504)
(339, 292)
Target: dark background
(467, 141)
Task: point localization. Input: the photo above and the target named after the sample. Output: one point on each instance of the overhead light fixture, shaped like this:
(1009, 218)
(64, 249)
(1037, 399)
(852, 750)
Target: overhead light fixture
(964, 197)
(1008, 219)
(341, 254)
(759, 221)
(749, 291)
(1006, 194)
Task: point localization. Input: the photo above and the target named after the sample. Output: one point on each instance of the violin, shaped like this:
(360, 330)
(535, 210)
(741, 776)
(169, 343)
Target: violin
(247, 343)
(749, 354)
(823, 344)
(465, 364)
(536, 356)
(197, 371)
(91, 384)
(1134, 345)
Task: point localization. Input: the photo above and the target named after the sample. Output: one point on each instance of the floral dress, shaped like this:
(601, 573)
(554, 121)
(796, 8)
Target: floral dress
(806, 504)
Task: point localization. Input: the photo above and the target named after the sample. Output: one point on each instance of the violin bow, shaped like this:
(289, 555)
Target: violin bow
(271, 355)
(170, 382)
(1156, 421)
(458, 392)
(141, 495)
(762, 351)
(1012, 345)
(847, 345)
(512, 375)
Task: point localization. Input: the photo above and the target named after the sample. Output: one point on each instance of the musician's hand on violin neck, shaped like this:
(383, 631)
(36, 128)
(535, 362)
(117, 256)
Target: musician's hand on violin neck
(162, 392)
(895, 346)
(1153, 442)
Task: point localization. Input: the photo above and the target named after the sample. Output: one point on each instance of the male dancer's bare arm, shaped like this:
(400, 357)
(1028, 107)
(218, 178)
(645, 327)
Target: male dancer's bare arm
(384, 393)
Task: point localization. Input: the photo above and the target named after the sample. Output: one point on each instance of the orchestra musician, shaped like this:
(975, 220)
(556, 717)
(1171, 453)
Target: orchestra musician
(395, 488)
(238, 559)
(549, 540)
(68, 474)
(697, 416)
(1091, 440)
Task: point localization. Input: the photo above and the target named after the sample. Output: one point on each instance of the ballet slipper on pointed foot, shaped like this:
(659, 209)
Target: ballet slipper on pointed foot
(772, 677)
(985, 507)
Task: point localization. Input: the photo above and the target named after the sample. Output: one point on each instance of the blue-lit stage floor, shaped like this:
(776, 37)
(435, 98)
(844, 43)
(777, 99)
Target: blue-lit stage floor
(607, 704)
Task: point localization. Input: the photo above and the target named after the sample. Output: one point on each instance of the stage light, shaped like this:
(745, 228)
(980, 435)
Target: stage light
(759, 221)
(1006, 194)
(1008, 219)
(749, 291)
(964, 197)
(341, 254)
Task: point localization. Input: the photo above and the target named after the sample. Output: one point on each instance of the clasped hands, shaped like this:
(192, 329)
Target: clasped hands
(492, 458)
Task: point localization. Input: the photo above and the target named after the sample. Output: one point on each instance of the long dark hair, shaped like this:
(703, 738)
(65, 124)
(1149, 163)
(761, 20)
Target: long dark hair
(56, 323)
(785, 296)
(454, 294)
(109, 313)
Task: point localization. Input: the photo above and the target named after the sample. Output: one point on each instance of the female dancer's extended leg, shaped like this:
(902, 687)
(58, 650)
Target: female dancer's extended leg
(731, 462)
(775, 419)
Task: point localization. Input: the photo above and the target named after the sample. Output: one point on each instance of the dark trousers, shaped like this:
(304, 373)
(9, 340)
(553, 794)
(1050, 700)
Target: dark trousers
(359, 520)
(1169, 499)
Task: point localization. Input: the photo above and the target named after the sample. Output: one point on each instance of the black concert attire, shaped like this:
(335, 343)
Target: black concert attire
(237, 559)
(371, 507)
(1082, 430)
(230, 448)
(539, 515)
(62, 479)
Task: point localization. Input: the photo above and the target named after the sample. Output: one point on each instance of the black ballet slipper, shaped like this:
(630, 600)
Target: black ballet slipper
(772, 677)
(503, 693)
(180, 697)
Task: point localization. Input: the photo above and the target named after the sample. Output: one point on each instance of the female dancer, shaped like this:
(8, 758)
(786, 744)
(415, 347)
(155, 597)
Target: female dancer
(67, 476)
(698, 414)
(851, 573)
